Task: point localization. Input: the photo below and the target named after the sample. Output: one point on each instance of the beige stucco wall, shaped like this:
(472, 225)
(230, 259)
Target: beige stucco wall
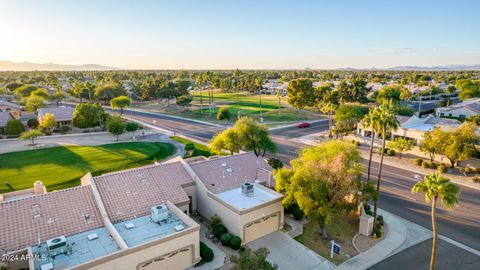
(131, 258)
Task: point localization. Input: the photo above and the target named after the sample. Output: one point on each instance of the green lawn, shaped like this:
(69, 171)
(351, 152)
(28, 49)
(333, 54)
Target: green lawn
(246, 103)
(62, 167)
(342, 229)
(200, 149)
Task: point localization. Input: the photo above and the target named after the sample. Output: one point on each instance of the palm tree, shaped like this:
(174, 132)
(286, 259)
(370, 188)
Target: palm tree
(371, 121)
(436, 186)
(405, 95)
(328, 108)
(385, 120)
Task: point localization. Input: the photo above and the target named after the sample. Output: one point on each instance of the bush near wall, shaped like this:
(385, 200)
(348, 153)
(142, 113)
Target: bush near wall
(226, 238)
(219, 229)
(235, 242)
(206, 253)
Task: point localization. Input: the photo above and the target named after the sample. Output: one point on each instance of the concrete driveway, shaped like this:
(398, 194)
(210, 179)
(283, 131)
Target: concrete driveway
(288, 254)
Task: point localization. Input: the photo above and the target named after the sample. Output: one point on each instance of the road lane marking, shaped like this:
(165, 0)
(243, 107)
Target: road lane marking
(460, 245)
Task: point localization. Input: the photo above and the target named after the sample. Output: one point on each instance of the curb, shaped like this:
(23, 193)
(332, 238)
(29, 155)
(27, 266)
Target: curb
(453, 180)
(383, 249)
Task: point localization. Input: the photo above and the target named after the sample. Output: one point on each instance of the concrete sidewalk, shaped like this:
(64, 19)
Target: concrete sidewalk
(402, 234)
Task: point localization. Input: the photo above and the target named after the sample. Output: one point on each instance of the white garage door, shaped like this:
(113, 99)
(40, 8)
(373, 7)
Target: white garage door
(261, 227)
(176, 260)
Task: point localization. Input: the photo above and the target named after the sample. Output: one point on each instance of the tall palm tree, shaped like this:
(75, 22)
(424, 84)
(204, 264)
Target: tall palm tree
(328, 108)
(405, 95)
(371, 121)
(385, 120)
(436, 186)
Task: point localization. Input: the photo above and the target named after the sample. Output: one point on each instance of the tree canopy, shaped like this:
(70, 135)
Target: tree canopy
(323, 180)
(246, 134)
(301, 93)
(115, 126)
(88, 115)
(120, 102)
(48, 121)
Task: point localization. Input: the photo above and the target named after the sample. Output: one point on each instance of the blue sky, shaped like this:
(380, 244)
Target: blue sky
(241, 34)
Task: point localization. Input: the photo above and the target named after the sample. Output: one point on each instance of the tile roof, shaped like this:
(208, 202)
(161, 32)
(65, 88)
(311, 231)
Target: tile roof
(61, 113)
(244, 167)
(10, 104)
(131, 193)
(24, 222)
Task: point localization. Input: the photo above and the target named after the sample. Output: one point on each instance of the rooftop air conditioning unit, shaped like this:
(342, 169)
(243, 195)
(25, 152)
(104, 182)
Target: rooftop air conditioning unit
(57, 245)
(247, 189)
(159, 213)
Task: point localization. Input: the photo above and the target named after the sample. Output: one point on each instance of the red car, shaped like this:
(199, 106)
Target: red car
(303, 125)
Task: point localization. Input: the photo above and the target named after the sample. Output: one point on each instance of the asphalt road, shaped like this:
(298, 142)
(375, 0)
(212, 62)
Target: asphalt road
(461, 224)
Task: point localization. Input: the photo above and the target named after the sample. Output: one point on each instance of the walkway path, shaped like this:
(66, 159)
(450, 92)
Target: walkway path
(402, 234)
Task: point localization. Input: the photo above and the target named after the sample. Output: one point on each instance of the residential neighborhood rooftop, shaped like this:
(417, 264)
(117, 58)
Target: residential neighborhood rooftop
(82, 247)
(130, 194)
(35, 219)
(236, 198)
(61, 113)
(229, 172)
(143, 229)
(428, 123)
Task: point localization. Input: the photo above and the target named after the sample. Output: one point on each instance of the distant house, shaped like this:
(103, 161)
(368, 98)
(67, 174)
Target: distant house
(14, 109)
(275, 87)
(461, 110)
(414, 127)
(4, 118)
(63, 115)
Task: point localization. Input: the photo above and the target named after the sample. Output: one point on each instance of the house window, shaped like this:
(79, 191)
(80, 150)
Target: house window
(449, 115)
(442, 114)
(461, 116)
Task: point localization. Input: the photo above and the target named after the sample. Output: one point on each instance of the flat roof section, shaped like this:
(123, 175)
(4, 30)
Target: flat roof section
(80, 250)
(141, 230)
(237, 199)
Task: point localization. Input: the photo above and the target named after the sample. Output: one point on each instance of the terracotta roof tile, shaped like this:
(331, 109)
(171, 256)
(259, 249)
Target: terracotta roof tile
(129, 194)
(25, 221)
(231, 171)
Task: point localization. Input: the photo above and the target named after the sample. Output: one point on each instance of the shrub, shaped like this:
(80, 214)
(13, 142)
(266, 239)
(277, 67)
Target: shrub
(418, 161)
(442, 168)
(377, 232)
(225, 239)
(476, 180)
(289, 208)
(235, 242)
(432, 165)
(206, 253)
(33, 123)
(390, 152)
(356, 143)
(425, 165)
(224, 114)
(297, 213)
(468, 170)
(214, 220)
(379, 218)
(189, 147)
(64, 129)
(219, 229)
(14, 127)
(275, 163)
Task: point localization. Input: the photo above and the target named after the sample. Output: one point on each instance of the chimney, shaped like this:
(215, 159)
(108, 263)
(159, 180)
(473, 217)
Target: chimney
(39, 188)
(86, 179)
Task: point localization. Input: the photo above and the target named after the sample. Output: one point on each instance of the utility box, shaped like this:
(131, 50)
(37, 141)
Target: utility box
(366, 225)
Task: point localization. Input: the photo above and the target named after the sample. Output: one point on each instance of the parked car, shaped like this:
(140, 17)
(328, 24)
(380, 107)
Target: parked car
(303, 125)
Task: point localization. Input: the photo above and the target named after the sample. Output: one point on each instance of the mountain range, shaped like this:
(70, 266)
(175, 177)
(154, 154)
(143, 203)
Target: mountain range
(28, 66)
